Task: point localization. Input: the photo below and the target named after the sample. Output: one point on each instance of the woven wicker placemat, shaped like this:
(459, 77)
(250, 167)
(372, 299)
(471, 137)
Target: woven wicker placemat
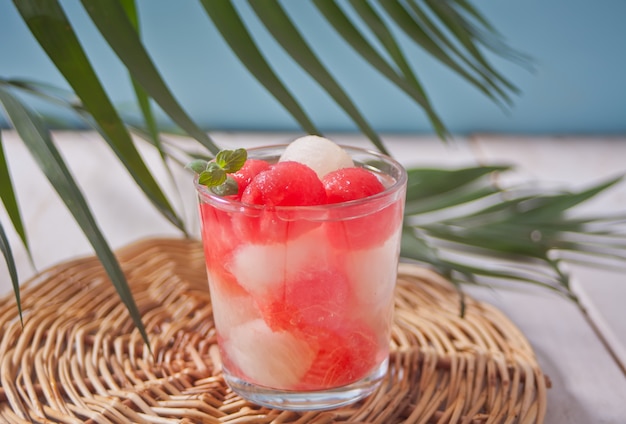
(78, 357)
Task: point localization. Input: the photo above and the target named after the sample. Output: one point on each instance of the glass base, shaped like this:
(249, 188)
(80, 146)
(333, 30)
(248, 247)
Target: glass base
(308, 401)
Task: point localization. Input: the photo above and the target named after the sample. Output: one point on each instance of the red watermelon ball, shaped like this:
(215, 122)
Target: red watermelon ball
(364, 225)
(347, 184)
(345, 355)
(217, 235)
(314, 298)
(282, 184)
(250, 169)
(285, 184)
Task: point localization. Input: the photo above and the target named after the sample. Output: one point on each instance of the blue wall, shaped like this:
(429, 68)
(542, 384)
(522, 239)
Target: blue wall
(578, 85)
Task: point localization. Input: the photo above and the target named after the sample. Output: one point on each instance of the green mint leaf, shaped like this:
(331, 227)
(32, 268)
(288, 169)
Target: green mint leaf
(227, 188)
(231, 160)
(198, 165)
(213, 176)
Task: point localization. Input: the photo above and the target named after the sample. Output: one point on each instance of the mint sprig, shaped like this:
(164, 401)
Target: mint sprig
(214, 174)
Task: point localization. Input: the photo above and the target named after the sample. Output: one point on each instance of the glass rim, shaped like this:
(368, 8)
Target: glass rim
(205, 193)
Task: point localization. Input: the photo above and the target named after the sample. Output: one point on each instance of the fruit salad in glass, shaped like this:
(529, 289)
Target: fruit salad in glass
(302, 244)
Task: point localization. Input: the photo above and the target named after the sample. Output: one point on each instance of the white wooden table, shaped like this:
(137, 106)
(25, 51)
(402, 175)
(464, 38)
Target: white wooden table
(584, 355)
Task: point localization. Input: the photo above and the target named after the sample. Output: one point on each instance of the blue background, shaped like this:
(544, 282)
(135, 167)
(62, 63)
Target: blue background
(577, 86)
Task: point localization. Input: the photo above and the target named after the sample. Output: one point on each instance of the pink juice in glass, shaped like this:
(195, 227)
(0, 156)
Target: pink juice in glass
(302, 295)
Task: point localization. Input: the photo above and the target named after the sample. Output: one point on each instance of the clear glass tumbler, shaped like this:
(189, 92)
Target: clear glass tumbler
(302, 296)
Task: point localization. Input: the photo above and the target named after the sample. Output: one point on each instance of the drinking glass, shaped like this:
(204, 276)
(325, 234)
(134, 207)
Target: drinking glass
(303, 296)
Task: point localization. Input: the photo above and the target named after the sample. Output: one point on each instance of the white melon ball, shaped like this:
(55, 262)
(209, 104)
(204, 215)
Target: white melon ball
(259, 268)
(230, 307)
(373, 272)
(262, 269)
(274, 359)
(319, 153)
(373, 275)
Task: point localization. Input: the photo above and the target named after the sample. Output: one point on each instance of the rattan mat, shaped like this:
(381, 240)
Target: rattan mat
(78, 357)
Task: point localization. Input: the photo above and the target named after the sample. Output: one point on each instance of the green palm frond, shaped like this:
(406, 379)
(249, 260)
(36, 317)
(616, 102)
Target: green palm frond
(405, 78)
(490, 234)
(39, 142)
(9, 200)
(50, 26)
(5, 247)
(228, 22)
(284, 31)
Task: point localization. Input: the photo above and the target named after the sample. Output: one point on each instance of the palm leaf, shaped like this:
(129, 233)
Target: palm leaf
(38, 141)
(7, 195)
(546, 208)
(515, 227)
(152, 133)
(376, 24)
(471, 54)
(287, 35)
(342, 24)
(53, 31)
(488, 36)
(415, 30)
(111, 20)
(143, 100)
(229, 24)
(46, 91)
(5, 247)
(431, 189)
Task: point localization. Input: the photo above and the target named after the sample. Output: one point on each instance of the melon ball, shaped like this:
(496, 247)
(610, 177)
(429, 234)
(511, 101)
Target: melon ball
(273, 359)
(263, 268)
(319, 153)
